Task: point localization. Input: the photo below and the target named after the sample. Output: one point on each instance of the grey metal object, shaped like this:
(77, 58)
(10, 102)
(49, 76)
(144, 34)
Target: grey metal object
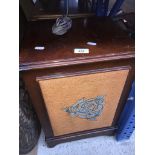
(87, 108)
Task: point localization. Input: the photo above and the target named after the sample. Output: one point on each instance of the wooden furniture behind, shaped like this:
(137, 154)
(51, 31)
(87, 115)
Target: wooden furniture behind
(56, 77)
(52, 9)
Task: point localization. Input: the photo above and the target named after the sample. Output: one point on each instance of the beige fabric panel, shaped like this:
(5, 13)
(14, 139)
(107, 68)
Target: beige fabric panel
(63, 92)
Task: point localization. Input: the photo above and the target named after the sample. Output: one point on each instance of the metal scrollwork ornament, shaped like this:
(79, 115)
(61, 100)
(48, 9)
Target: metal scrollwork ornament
(87, 108)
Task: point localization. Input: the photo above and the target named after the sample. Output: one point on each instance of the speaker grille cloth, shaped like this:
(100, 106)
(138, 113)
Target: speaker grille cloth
(64, 92)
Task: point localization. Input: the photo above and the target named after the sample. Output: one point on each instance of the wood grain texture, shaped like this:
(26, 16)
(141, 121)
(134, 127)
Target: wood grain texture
(63, 92)
(32, 86)
(114, 50)
(112, 44)
(109, 131)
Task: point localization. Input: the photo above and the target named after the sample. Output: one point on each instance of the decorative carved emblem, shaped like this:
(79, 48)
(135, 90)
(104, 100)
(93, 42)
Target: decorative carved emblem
(87, 108)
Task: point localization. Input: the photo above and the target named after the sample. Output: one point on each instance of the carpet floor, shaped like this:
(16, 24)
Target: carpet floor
(102, 145)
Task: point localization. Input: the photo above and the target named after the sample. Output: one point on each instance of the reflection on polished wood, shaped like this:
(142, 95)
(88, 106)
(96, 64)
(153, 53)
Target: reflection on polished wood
(112, 43)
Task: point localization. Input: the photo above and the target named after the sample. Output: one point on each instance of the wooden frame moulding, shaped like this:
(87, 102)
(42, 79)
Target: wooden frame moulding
(31, 76)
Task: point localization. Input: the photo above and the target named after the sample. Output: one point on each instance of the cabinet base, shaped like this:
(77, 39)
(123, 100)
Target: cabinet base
(51, 142)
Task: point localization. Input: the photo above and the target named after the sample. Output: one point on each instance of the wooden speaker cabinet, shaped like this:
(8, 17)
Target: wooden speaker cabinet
(77, 95)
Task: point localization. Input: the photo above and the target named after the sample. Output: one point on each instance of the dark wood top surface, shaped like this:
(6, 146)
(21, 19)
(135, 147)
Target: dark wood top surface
(112, 43)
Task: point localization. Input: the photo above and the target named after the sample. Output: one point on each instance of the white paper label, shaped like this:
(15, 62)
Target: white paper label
(91, 43)
(81, 50)
(39, 48)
